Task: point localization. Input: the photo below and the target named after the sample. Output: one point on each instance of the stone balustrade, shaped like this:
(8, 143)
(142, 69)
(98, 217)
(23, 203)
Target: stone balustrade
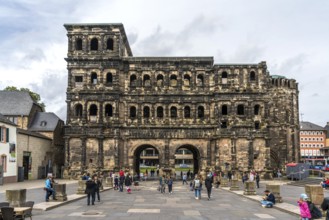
(234, 185)
(108, 182)
(16, 197)
(60, 190)
(249, 188)
(224, 182)
(315, 193)
(81, 186)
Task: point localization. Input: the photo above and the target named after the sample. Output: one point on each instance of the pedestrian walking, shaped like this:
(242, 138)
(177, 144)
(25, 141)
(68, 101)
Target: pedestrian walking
(97, 187)
(184, 178)
(116, 182)
(244, 177)
(163, 184)
(170, 183)
(128, 182)
(257, 178)
(305, 213)
(197, 187)
(121, 182)
(90, 191)
(208, 184)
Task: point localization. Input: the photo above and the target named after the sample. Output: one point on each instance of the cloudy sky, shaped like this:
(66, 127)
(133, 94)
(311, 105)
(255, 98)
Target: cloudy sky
(291, 36)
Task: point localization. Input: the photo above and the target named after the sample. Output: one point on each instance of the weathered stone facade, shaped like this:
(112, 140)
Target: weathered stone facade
(117, 105)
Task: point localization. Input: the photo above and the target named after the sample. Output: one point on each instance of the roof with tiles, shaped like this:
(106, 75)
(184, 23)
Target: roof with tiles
(308, 126)
(15, 103)
(44, 121)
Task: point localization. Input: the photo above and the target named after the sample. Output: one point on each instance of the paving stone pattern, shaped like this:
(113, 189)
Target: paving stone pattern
(148, 203)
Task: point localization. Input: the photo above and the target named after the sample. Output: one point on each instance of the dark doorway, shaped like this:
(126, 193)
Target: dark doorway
(146, 157)
(190, 157)
(26, 164)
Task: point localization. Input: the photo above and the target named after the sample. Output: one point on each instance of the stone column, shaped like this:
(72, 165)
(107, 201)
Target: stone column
(60, 190)
(275, 190)
(83, 153)
(16, 197)
(234, 185)
(315, 193)
(249, 188)
(81, 187)
(100, 152)
(66, 151)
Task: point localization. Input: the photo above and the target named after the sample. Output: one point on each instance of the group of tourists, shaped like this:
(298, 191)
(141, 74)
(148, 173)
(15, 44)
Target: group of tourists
(253, 176)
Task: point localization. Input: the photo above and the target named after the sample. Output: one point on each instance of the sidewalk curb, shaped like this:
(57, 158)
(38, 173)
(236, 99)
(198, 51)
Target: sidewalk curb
(45, 206)
(257, 200)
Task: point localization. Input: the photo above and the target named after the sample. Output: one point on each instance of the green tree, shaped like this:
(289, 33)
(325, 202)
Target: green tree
(34, 96)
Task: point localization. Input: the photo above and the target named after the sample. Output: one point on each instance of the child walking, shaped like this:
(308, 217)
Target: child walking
(305, 213)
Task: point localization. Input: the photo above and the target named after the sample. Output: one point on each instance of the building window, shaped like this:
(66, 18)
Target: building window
(187, 80)
(93, 78)
(160, 80)
(257, 125)
(146, 112)
(223, 124)
(94, 44)
(78, 44)
(160, 112)
(187, 112)
(133, 112)
(146, 80)
(256, 110)
(78, 110)
(109, 44)
(4, 134)
(224, 77)
(252, 76)
(43, 123)
(3, 163)
(200, 80)
(108, 110)
(109, 78)
(224, 110)
(133, 80)
(78, 79)
(173, 112)
(200, 112)
(93, 110)
(173, 80)
(240, 110)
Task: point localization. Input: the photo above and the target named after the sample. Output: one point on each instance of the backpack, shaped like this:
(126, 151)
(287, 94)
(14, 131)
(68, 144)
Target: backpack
(315, 211)
(196, 183)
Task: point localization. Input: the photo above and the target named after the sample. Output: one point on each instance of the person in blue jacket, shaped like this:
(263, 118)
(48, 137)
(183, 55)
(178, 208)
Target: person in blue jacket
(49, 189)
(268, 200)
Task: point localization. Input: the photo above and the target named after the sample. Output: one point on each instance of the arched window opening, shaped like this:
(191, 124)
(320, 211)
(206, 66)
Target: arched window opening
(133, 112)
(252, 76)
(78, 110)
(109, 78)
(173, 80)
(173, 112)
(187, 80)
(199, 80)
(93, 110)
(160, 112)
(133, 80)
(147, 80)
(257, 125)
(146, 112)
(187, 112)
(160, 80)
(78, 44)
(200, 112)
(224, 77)
(224, 110)
(256, 109)
(94, 44)
(109, 44)
(93, 78)
(108, 110)
(223, 124)
(240, 110)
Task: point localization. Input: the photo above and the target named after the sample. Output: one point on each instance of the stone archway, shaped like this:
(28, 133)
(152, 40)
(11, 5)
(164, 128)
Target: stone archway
(150, 157)
(195, 156)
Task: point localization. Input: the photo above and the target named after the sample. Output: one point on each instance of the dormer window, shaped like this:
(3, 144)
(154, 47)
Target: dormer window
(43, 123)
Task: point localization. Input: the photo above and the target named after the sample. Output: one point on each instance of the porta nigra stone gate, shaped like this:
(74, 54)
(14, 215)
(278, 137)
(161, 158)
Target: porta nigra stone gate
(228, 115)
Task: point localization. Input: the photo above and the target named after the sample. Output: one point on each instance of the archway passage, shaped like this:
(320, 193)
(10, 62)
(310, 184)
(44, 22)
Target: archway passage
(187, 158)
(146, 157)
